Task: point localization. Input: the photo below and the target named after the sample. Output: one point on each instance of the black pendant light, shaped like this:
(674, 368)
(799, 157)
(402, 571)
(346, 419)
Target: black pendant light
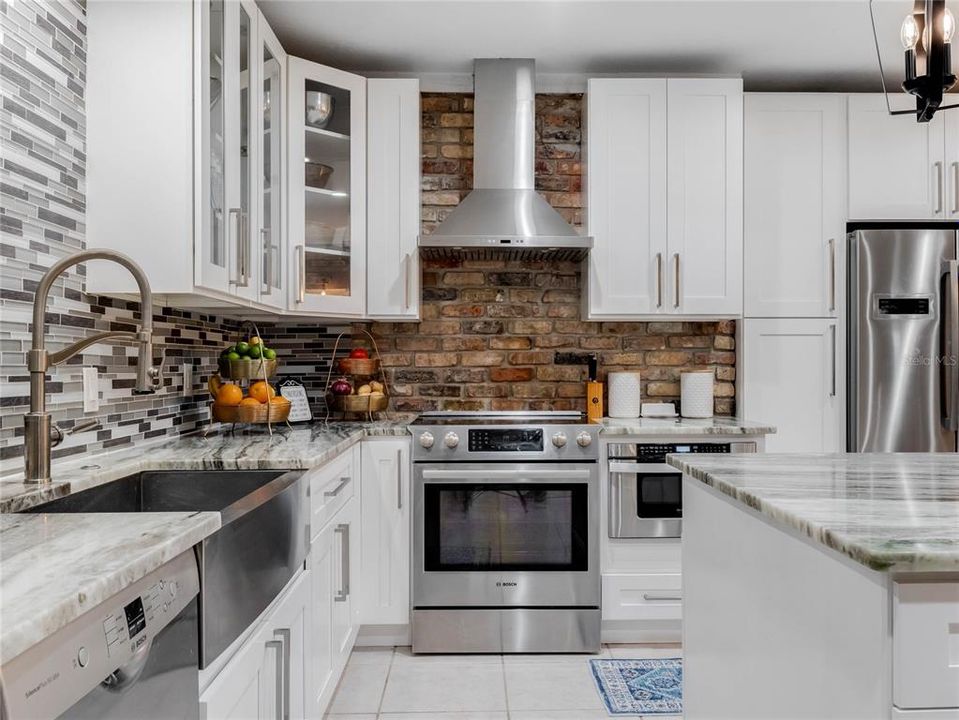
(926, 34)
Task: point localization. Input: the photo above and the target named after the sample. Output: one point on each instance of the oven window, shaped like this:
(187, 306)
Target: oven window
(489, 527)
(659, 496)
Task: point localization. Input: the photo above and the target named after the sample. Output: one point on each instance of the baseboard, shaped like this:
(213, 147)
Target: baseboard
(383, 635)
(645, 631)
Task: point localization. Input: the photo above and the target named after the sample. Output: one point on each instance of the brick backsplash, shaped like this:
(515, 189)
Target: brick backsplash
(501, 335)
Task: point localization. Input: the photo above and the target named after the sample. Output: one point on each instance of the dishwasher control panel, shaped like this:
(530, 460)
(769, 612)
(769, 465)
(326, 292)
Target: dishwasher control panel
(47, 679)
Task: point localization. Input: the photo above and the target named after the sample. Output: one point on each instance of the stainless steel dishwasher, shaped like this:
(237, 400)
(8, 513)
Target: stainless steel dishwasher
(132, 656)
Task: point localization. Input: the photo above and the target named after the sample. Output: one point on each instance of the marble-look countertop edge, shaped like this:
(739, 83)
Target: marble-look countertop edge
(44, 620)
(887, 562)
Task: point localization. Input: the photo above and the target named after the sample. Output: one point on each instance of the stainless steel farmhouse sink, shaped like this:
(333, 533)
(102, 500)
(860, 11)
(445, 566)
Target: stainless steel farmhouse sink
(262, 541)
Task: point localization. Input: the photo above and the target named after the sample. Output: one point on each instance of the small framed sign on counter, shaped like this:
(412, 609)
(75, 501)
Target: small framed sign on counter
(294, 391)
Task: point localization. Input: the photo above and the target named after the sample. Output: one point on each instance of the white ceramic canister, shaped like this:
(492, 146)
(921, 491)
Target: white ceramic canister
(696, 394)
(624, 396)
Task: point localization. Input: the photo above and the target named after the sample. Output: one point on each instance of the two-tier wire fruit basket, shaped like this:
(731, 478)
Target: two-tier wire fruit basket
(360, 386)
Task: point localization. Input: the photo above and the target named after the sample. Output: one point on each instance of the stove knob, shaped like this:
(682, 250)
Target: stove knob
(426, 440)
(451, 440)
(83, 657)
(559, 439)
(584, 439)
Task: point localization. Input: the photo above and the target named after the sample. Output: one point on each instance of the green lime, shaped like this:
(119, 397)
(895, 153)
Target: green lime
(243, 348)
(254, 352)
(269, 353)
(227, 351)
(232, 355)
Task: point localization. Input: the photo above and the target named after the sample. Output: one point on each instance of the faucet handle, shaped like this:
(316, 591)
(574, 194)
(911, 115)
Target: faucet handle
(88, 424)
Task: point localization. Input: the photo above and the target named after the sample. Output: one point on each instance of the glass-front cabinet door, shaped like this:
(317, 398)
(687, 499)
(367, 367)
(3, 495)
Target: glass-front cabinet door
(271, 107)
(327, 186)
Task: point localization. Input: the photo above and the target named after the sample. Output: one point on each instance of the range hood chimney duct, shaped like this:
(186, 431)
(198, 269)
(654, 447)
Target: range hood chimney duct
(504, 214)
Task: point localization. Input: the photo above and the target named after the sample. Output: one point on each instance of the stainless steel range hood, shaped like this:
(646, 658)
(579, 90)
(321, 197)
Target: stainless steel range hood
(504, 214)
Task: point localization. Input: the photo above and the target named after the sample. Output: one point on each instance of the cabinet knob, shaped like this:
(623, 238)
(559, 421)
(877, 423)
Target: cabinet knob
(451, 440)
(426, 440)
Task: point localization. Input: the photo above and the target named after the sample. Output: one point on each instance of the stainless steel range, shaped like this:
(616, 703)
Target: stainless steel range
(505, 533)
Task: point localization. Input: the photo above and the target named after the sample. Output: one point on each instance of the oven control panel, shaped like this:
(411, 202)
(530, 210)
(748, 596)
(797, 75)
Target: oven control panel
(505, 439)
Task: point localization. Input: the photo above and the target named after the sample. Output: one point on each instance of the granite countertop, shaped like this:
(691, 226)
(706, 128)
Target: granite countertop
(299, 447)
(889, 512)
(684, 426)
(57, 567)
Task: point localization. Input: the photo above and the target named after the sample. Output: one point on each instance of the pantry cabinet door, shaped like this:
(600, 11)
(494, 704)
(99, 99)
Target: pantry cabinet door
(951, 122)
(794, 204)
(896, 165)
(792, 375)
(705, 197)
(321, 681)
(346, 554)
(385, 553)
(327, 190)
(393, 199)
(626, 196)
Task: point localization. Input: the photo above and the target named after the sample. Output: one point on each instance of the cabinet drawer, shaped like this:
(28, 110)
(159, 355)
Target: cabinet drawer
(925, 634)
(643, 596)
(331, 487)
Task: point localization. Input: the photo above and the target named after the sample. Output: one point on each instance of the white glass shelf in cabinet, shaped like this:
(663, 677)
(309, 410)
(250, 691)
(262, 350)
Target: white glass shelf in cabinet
(326, 145)
(328, 207)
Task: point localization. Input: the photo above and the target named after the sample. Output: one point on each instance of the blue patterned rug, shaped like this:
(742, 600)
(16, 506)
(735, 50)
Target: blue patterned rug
(640, 687)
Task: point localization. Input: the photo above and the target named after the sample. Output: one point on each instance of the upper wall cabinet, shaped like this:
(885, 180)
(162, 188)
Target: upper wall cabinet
(951, 120)
(665, 197)
(176, 174)
(794, 204)
(898, 167)
(393, 202)
(327, 190)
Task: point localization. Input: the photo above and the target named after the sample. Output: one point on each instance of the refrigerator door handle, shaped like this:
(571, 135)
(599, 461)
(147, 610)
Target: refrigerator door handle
(950, 361)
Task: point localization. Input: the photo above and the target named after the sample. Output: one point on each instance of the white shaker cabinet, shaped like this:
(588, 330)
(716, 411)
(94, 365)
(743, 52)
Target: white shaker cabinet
(704, 196)
(326, 190)
(393, 199)
(626, 196)
(664, 188)
(794, 179)
(897, 166)
(951, 120)
(793, 373)
(385, 561)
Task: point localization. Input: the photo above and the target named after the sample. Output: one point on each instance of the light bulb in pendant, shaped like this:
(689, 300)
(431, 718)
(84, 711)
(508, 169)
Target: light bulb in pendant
(909, 33)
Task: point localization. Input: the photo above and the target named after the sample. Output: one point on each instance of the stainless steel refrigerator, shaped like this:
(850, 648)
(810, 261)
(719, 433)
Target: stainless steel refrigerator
(902, 337)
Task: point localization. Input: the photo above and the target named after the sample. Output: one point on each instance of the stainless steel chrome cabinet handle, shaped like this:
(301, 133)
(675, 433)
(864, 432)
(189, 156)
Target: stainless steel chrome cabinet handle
(832, 336)
(676, 286)
(659, 280)
(233, 242)
(243, 250)
(653, 597)
(939, 185)
(268, 261)
(280, 680)
(955, 187)
(301, 273)
(951, 421)
(344, 592)
(615, 503)
(344, 481)
(399, 479)
(407, 261)
(832, 274)
(285, 636)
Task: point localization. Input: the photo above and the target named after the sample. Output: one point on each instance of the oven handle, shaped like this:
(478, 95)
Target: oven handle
(518, 476)
(644, 468)
(615, 504)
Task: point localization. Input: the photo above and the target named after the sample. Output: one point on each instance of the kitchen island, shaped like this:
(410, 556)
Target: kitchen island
(821, 586)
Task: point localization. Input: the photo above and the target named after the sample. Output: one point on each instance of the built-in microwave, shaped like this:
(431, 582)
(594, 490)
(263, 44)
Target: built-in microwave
(646, 494)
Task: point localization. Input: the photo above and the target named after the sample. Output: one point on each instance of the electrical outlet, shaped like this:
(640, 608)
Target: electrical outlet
(91, 390)
(187, 379)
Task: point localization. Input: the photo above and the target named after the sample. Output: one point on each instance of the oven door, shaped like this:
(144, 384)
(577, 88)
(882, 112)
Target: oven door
(645, 500)
(506, 535)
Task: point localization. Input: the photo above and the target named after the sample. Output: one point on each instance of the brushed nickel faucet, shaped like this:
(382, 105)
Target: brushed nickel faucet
(40, 434)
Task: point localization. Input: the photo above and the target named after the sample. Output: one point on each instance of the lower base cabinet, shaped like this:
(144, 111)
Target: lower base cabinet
(266, 679)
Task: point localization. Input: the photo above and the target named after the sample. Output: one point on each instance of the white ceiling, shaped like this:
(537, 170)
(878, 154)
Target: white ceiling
(774, 44)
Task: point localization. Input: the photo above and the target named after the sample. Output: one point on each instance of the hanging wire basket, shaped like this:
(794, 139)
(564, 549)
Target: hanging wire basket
(365, 369)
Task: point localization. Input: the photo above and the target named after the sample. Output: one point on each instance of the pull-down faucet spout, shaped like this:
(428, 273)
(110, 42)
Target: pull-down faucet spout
(37, 439)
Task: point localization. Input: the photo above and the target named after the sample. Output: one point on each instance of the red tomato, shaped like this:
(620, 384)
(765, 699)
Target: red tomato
(359, 354)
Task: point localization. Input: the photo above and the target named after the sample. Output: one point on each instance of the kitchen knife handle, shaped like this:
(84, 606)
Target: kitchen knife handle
(659, 280)
(950, 361)
(676, 283)
(939, 185)
(832, 274)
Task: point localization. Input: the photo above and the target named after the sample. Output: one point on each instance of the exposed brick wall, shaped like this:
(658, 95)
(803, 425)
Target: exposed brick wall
(501, 335)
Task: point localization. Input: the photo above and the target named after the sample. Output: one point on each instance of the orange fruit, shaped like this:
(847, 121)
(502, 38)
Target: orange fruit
(262, 391)
(249, 401)
(229, 394)
(279, 400)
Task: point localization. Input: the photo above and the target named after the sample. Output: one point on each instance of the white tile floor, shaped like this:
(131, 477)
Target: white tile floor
(392, 684)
